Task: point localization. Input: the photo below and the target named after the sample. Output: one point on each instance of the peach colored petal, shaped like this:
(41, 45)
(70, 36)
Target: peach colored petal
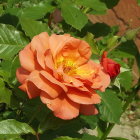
(32, 90)
(85, 52)
(97, 82)
(21, 74)
(83, 97)
(81, 88)
(23, 87)
(53, 80)
(49, 60)
(57, 42)
(70, 48)
(62, 107)
(40, 43)
(41, 59)
(45, 98)
(26, 58)
(43, 84)
(77, 50)
(88, 110)
(72, 80)
(105, 80)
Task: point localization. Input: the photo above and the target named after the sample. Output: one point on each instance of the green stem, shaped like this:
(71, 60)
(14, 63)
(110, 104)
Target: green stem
(128, 101)
(86, 10)
(114, 46)
(111, 125)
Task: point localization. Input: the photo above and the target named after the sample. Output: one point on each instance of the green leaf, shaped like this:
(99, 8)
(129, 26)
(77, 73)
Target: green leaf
(11, 41)
(138, 2)
(117, 83)
(89, 137)
(94, 4)
(33, 108)
(32, 27)
(50, 123)
(90, 120)
(37, 11)
(72, 15)
(116, 138)
(66, 138)
(1, 10)
(126, 50)
(69, 128)
(98, 29)
(12, 127)
(94, 12)
(110, 3)
(15, 139)
(8, 70)
(14, 65)
(131, 34)
(14, 11)
(10, 3)
(110, 108)
(5, 94)
(89, 38)
(112, 41)
(125, 79)
(12, 137)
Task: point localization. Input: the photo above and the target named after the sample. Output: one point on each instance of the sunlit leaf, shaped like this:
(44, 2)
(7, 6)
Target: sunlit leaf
(12, 127)
(37, 11)
(5, 93)
(125, 79)
(94, 4)
(11, 41)
(110, 108)
(73, 16)
(32, 27)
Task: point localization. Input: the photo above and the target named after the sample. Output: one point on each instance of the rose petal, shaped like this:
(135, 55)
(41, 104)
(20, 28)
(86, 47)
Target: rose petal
(105, 80)
(40, 43)
(88, 110)
(97, 82)
(41, 59)
(72, 80)
(32, 90)
(83, 97)
(45, 85)
(53, 80)
(21, 74)
(23, 87)
(26, 58)
(49, 60)
(57, 42)
(61, 106)
(85, 52)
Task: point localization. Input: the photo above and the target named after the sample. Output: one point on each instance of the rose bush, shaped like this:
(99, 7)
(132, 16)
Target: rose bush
(59, 70)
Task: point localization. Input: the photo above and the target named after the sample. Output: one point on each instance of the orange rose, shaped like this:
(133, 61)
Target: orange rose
(57, 68)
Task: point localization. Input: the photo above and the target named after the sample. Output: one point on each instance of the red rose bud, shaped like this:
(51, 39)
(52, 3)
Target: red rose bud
(110, 66)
